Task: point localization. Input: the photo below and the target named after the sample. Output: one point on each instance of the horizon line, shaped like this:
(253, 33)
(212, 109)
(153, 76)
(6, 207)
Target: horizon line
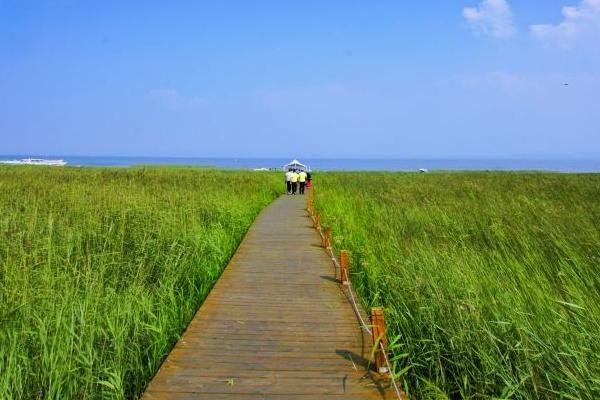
(549, 157)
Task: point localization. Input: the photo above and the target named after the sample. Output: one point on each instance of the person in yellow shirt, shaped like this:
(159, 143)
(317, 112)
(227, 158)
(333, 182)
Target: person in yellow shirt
(288, 181)
(294, 180)
(302, 181)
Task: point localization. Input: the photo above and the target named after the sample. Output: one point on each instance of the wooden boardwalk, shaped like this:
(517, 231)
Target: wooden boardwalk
(275, 326)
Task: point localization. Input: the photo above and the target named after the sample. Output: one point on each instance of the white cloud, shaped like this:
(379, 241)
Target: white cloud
(580, 22)
(305, 95)
(171, 98)
(557, 85)
(491, 17)
(505, 80)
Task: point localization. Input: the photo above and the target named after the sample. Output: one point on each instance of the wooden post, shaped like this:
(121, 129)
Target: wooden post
(344, 270)
(379, 336)
(318, 220)
(327, 238)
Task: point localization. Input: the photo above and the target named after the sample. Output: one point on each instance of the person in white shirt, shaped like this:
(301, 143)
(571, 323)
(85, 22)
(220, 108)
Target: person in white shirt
(288, 181)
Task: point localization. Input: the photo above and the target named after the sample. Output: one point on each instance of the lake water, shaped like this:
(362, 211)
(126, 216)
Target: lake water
(330, 164)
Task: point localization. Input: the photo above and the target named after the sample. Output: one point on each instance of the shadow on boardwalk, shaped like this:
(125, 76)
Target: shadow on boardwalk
(275, 326)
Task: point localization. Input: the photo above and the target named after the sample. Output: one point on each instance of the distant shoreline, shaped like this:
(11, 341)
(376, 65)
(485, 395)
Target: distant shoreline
(338, 164)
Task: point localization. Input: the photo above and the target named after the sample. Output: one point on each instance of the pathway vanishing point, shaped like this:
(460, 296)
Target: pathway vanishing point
(276, 325)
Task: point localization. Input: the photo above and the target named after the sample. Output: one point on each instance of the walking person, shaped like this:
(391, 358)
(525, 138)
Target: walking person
(288, 181)
(302, 181)
(294, 180)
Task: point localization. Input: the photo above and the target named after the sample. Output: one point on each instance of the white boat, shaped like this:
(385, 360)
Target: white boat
(35, 161)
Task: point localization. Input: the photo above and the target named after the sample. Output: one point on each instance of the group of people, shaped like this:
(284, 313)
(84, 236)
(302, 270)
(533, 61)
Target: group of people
(297, 180)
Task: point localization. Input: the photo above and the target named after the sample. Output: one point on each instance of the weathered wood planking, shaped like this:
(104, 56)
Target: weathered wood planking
(275, 326)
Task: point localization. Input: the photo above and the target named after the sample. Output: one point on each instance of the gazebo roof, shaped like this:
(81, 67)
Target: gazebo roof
(295, 163)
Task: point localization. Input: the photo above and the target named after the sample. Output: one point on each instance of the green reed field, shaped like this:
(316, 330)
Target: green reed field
(490, 281)
(101, 270)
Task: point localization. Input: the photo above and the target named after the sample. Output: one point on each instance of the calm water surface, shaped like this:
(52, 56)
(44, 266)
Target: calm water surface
(560, 165)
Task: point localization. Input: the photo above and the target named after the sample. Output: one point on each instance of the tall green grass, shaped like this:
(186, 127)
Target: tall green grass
(490, 281)
(101, 270)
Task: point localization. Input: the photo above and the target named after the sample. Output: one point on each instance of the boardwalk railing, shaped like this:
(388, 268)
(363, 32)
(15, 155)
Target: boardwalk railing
(377, 328)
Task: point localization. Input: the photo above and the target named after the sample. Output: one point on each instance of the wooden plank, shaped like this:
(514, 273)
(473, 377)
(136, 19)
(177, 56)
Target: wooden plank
(248, 396)
(334, 384)
(276, 325)
(236, 365)
(204, 357)
(258, 337)
(236, 362)
(252, 373)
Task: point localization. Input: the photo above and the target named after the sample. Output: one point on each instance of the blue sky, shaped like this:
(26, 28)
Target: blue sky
(309, 78)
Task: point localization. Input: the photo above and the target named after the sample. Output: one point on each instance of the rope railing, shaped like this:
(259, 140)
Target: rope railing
(328, 244)
(387, 361)
(352, 298)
